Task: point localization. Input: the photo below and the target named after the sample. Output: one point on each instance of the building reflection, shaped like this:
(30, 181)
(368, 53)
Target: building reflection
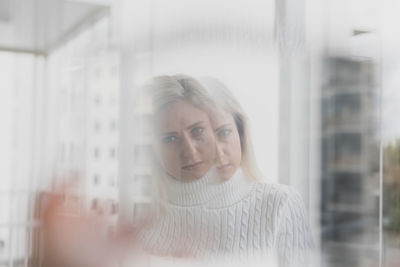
(349, 164)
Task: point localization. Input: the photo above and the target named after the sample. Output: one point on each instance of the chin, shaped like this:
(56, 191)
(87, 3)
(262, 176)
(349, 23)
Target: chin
(225, 176)
(192, 177)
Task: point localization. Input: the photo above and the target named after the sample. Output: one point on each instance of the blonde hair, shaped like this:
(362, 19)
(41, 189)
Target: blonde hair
(165, 90)
(224, 99)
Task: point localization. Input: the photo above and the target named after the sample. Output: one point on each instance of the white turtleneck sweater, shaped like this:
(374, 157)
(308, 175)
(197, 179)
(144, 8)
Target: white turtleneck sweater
(236, 218)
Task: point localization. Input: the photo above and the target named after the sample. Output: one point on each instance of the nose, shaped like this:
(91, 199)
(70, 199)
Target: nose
(189, 149)
(220, 154)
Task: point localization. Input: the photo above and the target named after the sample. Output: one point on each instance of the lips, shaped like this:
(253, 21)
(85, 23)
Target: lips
(193, 166)
(224, 167)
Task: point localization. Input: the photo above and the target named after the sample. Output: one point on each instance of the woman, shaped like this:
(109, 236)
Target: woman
(216, 211)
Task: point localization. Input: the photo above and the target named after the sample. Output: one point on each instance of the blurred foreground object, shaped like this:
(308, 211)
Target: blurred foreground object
(73, 236)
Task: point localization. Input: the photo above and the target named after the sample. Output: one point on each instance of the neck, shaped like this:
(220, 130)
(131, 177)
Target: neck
(208, 190)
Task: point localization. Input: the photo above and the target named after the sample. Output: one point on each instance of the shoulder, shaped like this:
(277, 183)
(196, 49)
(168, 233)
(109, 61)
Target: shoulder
(279, 194)
(281, 202)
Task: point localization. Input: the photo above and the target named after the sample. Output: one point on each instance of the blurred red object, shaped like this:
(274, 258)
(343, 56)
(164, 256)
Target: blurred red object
(76, 236)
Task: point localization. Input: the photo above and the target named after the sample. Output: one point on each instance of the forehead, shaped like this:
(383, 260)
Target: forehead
(179, 116)
(220, 117)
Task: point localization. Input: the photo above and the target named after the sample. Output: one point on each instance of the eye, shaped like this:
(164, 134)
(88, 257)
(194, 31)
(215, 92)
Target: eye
(169, 139)
(197, 131)
(224, 133)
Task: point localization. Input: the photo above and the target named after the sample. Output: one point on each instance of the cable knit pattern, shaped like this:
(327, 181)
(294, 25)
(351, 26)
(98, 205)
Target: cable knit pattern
(236, 218)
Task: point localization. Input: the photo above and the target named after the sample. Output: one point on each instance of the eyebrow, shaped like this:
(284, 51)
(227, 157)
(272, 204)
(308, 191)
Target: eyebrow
(195, 124)
(169, 133)
(222, 126)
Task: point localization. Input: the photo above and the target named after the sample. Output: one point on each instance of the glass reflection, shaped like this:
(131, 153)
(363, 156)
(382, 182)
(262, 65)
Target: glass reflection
(214, 205)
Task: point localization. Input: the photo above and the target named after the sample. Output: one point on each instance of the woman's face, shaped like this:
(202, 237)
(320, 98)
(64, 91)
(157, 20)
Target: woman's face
(229, 152)
(186, 142)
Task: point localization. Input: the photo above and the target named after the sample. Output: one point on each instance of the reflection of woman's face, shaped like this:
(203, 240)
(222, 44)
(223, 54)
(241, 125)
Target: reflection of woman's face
(229, 152)
(186, 141)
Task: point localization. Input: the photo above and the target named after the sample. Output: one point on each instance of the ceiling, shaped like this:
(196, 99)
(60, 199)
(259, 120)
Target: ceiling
(39, 26)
